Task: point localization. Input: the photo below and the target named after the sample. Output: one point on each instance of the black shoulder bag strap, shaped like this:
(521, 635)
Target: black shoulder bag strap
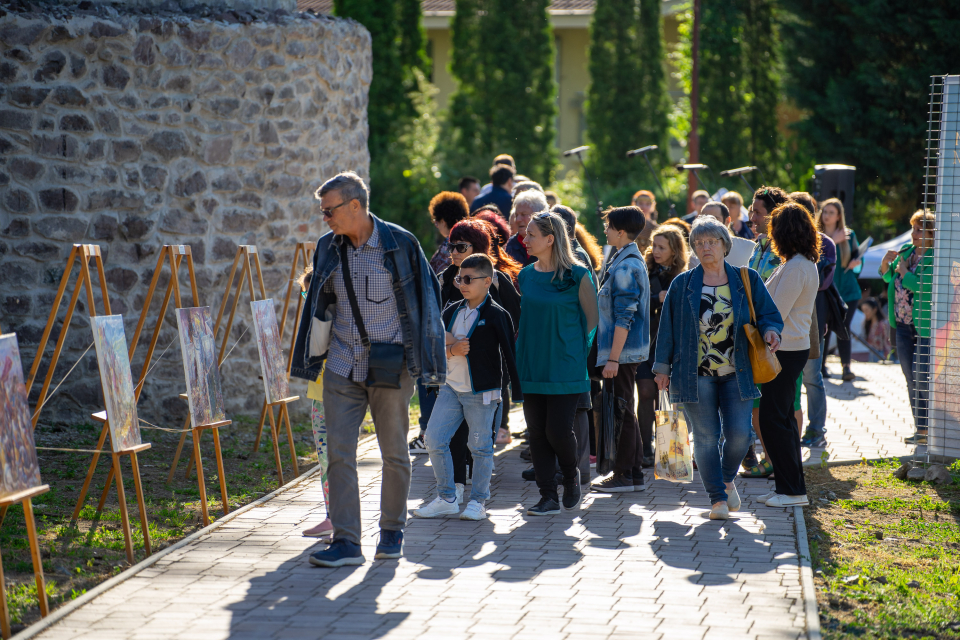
(386, 360)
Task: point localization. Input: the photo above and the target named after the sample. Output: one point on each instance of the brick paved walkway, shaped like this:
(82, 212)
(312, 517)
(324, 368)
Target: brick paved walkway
(636, 565)
(866, 418)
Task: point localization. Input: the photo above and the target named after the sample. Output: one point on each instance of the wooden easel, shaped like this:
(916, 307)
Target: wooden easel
(84, 252)
(303, 250)
(175, 255)
(197, 431)
(26, 498)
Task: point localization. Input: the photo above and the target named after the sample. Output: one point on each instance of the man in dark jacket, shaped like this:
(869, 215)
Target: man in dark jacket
(372, 325)
(501, 176)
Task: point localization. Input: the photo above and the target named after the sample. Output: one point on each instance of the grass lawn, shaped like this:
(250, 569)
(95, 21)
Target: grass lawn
(78, 558)
(885, 553)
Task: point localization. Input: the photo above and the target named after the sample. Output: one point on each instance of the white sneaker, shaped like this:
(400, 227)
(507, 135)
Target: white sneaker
(766, 496)
(781, 500)
(474, 511)
(439, 507)
(459, 493)
(733, 497)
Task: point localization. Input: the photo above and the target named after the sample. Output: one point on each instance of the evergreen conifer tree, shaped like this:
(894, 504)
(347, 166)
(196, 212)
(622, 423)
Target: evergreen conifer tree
(627, 101)
(505, 100)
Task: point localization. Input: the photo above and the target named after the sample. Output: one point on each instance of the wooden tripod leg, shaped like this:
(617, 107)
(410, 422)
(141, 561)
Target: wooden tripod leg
(4, 612)
(190, 459)
(260, 423)
(104, 493)
(200, 484)
(3, 515)
(90, 472)
(35, 556)
(124, 516)
(285, 416)
(140, 501)
(176, 456)
(223, 476)
(275, 436)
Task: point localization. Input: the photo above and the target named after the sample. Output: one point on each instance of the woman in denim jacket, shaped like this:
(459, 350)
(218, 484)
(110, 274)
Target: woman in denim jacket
(702, 357)
(623, 338)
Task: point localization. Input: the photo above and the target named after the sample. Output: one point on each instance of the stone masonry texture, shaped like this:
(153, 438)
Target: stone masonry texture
(130, 130)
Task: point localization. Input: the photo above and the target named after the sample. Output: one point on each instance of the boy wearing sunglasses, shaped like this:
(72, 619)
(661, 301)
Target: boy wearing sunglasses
(479, 338)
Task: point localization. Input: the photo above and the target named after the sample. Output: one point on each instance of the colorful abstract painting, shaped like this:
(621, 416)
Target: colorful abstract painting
(19, 469)
(271, 355)
(121, 405)
(200, 365)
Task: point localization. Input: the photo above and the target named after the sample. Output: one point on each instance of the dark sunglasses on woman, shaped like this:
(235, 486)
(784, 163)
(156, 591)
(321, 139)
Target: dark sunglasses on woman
(461, 247)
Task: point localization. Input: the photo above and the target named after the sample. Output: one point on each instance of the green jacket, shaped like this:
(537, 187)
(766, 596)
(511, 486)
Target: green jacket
(920, 282)
(846, 279)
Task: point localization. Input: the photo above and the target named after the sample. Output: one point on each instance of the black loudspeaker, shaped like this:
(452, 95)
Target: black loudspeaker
(835, 181)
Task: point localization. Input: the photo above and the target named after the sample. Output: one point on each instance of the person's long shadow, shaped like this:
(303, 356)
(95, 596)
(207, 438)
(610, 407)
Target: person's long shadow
(317, 602)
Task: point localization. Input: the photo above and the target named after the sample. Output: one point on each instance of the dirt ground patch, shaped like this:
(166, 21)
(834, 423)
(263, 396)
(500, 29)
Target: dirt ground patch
(76, 559)
(885, 552)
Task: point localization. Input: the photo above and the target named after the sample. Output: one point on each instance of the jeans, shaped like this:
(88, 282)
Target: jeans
(719, 413)
(451, 409)
(816, 395)
(914, 354)
(428, 398)
(778, 424)
(346, 402)
(550, 423)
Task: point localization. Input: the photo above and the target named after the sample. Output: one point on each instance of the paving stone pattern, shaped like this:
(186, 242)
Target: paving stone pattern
(866, 418)
(635, 565)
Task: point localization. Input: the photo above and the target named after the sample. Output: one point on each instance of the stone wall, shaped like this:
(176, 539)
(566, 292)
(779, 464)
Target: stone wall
(135, 131)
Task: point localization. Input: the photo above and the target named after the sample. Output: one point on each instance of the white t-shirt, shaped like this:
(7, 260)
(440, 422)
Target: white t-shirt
(458, 369)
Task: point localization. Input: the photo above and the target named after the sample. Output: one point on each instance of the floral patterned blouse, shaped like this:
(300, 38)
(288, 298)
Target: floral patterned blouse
(716, 331)
(903, 303)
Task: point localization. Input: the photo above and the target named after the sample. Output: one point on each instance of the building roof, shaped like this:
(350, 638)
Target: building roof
(444, 7)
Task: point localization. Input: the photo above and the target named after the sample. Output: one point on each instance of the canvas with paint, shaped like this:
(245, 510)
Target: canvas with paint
(204, 392)
(19, 469)
(271, 355)
(121, 405)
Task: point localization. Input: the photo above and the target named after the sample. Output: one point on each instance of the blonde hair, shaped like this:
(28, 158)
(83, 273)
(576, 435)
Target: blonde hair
(550, 224)
(925, 216)
(589, 244)
(678, 245)
(843, 248)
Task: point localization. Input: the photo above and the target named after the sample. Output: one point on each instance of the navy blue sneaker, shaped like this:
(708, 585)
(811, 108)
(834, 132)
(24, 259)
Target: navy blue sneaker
(813, 440)
(340, 553)
(390, 545)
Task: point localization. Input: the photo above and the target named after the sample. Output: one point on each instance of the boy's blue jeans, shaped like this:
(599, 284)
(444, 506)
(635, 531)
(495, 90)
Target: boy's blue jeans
(718, 463)
(451, 409)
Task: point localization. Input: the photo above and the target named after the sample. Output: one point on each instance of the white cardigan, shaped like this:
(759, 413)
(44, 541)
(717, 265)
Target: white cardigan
(793, 287)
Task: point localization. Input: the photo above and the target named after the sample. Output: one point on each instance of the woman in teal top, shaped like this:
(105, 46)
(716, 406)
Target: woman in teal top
(831, 222)
(558, 319)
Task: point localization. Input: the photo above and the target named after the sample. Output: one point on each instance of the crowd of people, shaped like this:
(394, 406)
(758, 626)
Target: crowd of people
(519, 303)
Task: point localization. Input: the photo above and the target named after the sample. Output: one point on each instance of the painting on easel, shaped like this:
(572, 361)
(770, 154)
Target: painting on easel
(111, 345)
(19, 469)
(200, 365)
(268, 345)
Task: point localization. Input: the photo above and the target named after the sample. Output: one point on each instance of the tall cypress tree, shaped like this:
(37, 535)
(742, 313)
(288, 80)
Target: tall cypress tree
(505, 100)
(627, 101)
(739, 86)
(399, 58)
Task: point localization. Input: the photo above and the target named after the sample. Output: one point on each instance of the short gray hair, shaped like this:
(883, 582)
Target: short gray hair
(710, 227)
(349, 185)
(533, 199)
(526, 185)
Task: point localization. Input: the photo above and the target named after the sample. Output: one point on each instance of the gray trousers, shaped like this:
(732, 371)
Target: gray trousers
(345, 404)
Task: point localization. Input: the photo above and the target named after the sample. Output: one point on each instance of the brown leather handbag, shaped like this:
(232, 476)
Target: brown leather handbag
(765, 364)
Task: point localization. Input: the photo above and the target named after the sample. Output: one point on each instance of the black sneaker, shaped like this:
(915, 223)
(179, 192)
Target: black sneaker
(616, 483)
(813, 440)
(546, 507)
(637, 475)
(571, 492)
(848, 375)
(525, 454)
(529, 474)
(417, 445)
(647, 462)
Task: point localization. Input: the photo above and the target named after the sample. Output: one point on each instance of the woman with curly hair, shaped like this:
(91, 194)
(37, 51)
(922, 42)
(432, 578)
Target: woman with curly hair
(793, 286)
(447, 208)
(590, 245)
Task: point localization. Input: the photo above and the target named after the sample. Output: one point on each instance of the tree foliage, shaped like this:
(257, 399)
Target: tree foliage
(627, 102)
(505, 101)
(398, 100)
(739, 86)
(860, 72)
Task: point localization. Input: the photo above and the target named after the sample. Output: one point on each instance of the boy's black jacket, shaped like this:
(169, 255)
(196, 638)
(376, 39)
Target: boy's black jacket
(491, 335)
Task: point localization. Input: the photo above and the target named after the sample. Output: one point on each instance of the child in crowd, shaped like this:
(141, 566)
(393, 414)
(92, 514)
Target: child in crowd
(479, 338)
(324, 530)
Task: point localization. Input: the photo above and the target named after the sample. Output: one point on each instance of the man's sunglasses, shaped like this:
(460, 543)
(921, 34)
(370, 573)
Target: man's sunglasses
(328, 213)
(468, 279)
(461, 247)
